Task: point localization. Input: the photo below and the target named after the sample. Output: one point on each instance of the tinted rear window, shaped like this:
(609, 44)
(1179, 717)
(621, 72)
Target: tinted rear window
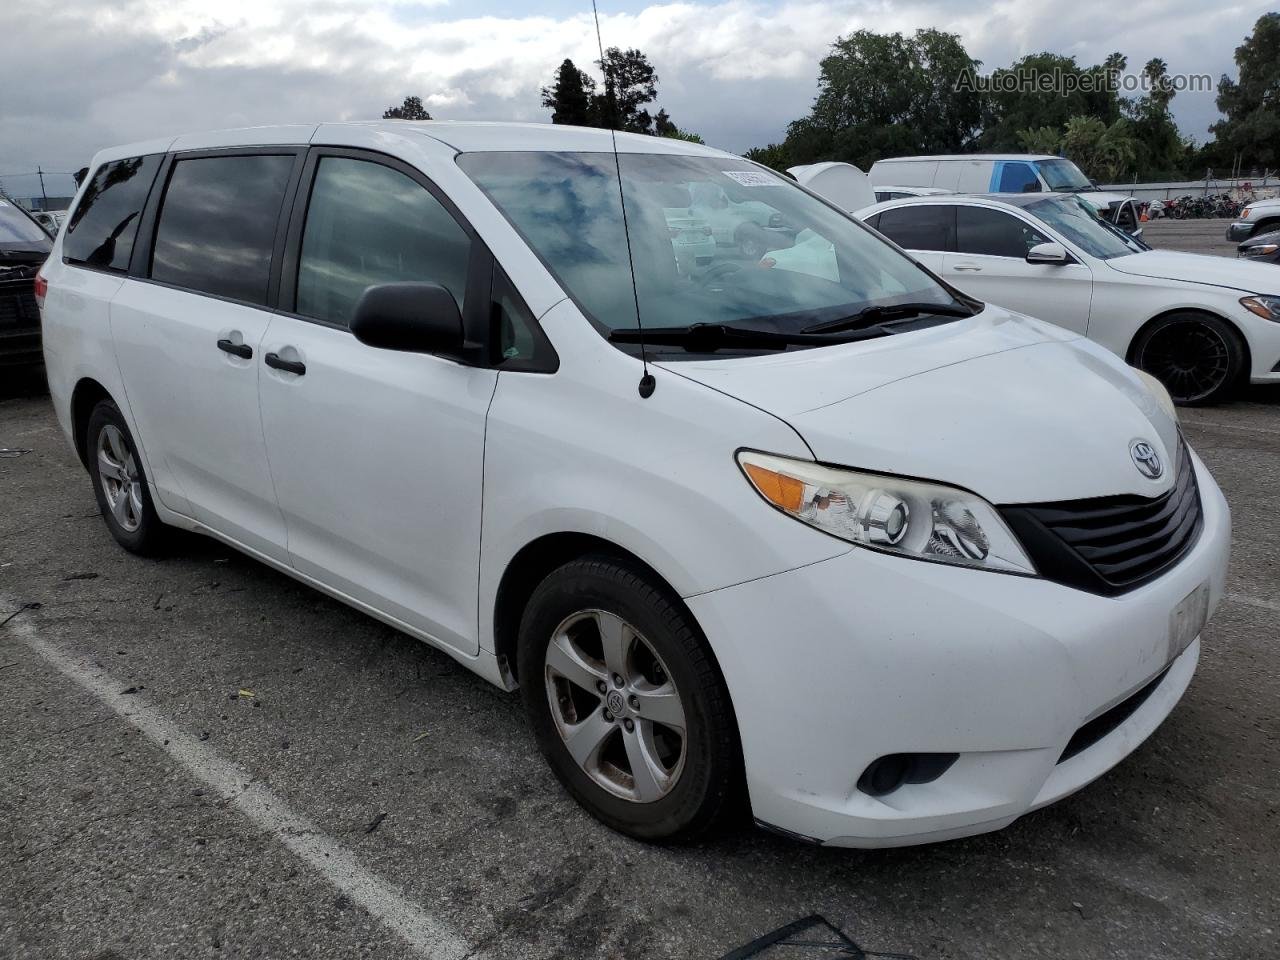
(18, 229)
(217, 225)
(918, 228)
(101, 230)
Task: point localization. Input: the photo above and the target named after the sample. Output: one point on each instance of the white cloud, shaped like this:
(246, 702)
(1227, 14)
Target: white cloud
(90, 74)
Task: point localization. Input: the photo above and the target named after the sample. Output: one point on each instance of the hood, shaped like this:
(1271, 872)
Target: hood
(1270, 204)
(1001, 405)
(1102, 200)
(789, 383)
(1200, 268)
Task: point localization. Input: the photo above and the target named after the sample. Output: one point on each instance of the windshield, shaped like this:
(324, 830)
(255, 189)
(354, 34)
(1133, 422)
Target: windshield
(1063, 175)
(1080, 223)
(17, 227)
(715, 240)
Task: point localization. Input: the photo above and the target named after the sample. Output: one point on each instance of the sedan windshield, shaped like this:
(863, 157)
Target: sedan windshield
(1080, 223)
(1063, 175)
(714, 240)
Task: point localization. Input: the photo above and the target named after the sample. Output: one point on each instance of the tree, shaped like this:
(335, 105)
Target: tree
(664, 126)
(1040, 140)
(1103, 152)
(411, 109)
(886, 94)
(630, 82)
(570, 97)
(1161, 151)
(1251, 105)
(1046, 90)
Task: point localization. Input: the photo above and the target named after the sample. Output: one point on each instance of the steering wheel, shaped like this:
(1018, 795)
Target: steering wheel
(718, 272)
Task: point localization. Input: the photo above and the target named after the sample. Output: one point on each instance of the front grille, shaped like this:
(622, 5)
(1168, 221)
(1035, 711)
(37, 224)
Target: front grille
(1111, 545)
(18, 304)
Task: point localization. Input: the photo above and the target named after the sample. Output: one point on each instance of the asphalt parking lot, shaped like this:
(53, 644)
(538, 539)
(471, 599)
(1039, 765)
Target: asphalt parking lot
(203, 758)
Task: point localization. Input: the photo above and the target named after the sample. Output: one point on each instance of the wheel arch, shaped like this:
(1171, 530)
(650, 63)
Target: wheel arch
(88, 393)
(1265, 225)
(1129, 355)
(530, 566)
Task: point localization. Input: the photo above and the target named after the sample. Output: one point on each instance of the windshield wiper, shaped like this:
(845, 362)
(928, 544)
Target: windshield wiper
(894, 311)
(710, 337)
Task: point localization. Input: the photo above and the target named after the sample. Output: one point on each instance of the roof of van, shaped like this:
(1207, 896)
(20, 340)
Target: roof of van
(463, 136)
(976, 156)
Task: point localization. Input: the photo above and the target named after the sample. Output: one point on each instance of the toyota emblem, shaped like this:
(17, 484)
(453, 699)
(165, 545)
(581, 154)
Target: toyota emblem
(1146, 459)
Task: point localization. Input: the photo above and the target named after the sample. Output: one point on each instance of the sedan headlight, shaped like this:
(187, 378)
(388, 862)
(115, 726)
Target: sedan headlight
(912, 518)
(1267, 307)
(1261, 250)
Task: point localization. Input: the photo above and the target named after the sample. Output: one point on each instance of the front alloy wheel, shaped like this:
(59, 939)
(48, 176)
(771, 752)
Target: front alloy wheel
(627, 701)
(615, 706)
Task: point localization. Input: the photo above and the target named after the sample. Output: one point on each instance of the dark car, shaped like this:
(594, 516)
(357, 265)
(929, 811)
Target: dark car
(1264, 248)
(23, 248)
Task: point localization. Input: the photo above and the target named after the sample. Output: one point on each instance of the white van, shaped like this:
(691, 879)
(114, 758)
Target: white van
(882, 561)
(1005, 173)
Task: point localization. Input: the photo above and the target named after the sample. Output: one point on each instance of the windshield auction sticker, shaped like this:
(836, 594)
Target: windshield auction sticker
(752, 178)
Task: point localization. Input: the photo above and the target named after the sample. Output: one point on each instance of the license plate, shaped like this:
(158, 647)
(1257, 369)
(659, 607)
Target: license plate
(1187, 620)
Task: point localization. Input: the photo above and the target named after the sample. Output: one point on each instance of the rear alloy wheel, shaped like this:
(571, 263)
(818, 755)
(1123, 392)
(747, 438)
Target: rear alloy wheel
(1198, 357)
(627, 703)
(120, 484)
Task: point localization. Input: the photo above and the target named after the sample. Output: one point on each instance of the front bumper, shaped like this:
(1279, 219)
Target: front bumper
(833, 665)
(1239, 230)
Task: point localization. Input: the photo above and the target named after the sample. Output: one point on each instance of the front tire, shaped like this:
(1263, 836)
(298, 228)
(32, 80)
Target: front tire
(120, 484)
(627, 703)
(1199, 358)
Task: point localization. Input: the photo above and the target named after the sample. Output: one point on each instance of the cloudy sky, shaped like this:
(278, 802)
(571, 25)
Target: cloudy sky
(81, 74)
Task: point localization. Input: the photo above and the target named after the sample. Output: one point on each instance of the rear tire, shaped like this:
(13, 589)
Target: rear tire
(611, 663)
(120, 483)
(1199, 358)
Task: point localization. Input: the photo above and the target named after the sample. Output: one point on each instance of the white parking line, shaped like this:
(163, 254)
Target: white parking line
(428, 936)
(1254, 602)
(1239, 427)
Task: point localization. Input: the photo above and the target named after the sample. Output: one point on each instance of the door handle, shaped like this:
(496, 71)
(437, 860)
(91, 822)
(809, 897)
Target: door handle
(966, 268)
(288, 366)
(241, 350)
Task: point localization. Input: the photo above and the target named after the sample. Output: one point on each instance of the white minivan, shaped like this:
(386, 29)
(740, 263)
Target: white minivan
(876, 561)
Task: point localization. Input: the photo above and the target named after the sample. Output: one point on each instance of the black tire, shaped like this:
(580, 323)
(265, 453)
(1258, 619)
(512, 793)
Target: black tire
(709, 786)
(150, 535)
(1199, 358)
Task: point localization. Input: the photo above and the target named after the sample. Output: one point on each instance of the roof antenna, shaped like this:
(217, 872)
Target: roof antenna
(647, 383)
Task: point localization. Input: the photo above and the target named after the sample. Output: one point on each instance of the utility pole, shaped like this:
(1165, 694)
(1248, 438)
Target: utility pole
(44, 196)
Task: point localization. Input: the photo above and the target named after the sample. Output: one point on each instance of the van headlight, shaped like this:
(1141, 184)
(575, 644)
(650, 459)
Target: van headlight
(1159, 392)
(927, 521)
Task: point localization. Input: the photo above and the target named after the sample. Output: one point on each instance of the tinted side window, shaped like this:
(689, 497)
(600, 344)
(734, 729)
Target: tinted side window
(993, 234)
(918, 228)
(217, 225)
(101, 230)
(369, 224)
(1018, 178)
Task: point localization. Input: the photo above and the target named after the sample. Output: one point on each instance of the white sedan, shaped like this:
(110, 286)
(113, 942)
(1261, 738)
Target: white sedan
(1201, 324)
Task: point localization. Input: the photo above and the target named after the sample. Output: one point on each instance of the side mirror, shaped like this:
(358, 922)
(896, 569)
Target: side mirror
(1048, 253)
(411, 317)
